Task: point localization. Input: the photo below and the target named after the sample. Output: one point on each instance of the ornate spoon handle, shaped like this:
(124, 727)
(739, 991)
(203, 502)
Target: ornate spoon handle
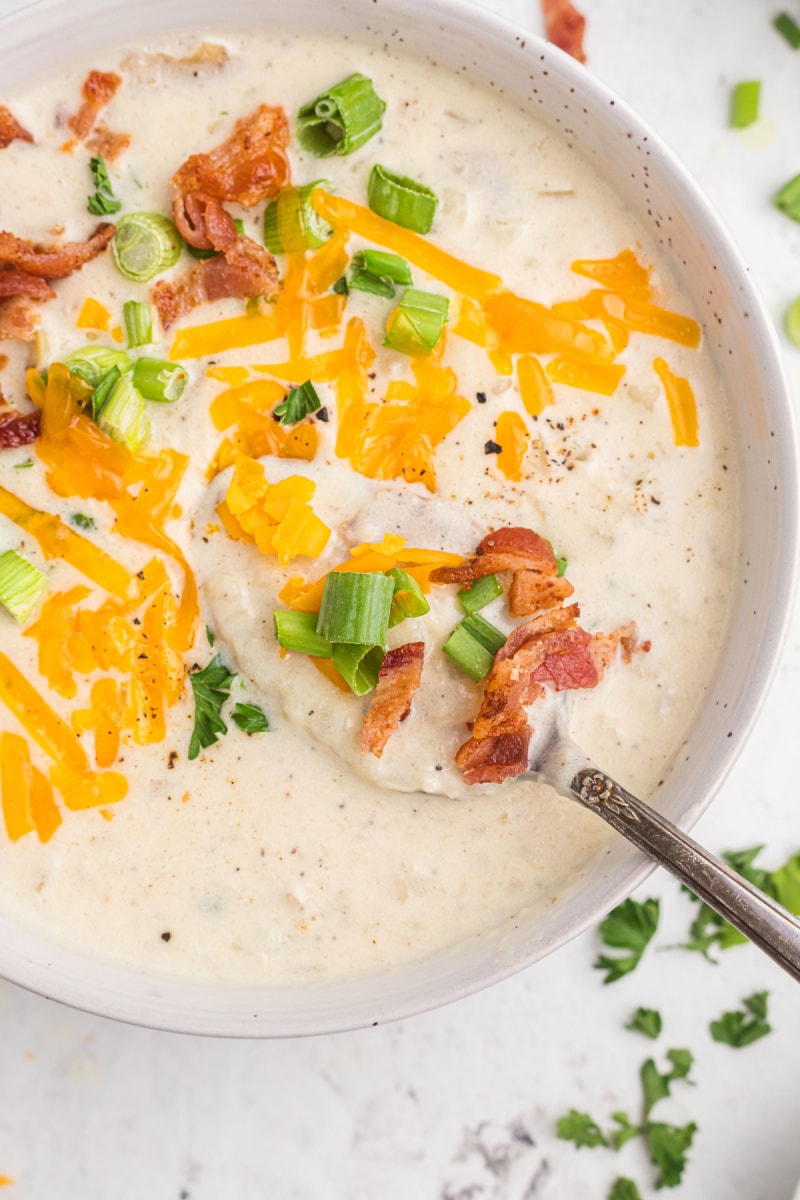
(754, 914)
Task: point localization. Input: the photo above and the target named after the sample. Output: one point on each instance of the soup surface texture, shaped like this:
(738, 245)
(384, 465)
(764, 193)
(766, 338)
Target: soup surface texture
(569, 392)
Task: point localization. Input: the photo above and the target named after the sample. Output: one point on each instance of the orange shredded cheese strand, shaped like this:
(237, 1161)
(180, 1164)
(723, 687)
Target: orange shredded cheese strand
(43, 808)
(55, 625)
(642, 317)
(591, 377)
(513, 436)
(458, 275)
(278, 517)
(351, 387)
(57, 540)
(623, 273)
(326, 265)
(534, 386)
(15, 783)
(527, 327)
(319, 368)
(234, 333)
(681, 404)
(93, 315)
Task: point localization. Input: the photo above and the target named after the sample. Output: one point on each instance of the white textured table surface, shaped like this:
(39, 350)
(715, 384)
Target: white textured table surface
(461, 1104)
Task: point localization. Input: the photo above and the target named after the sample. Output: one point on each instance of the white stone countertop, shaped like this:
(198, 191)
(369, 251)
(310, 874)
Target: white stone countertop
(461, 1104)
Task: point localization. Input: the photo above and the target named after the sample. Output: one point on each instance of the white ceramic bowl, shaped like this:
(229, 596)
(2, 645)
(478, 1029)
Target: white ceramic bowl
(646, 174)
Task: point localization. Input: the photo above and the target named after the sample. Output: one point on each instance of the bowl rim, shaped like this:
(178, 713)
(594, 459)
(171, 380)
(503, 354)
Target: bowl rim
(55, 971)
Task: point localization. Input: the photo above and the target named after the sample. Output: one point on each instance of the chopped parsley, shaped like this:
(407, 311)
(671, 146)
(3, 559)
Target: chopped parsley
(629, 926)
(657, 1086)
(624, 1189)
(580, 1128)
(299, 402)
(211, 688)
(743, 1026)
(668, 1145)
(210, 635)
(103, 202)
(250, 718)
(646, 1021)
(82, 521)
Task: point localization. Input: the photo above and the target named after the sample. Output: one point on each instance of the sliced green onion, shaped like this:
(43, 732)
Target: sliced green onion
(138, 319)
(82, 521)
(402, 200)
(340, 119)
(103, 202)
(92, 363)
(157, 379)
(123, 415)
(145, 244)
(788, 198)
(744, 104)
(788, 28)
(300, 402)
(468, 653)
(292, 224)
(561, 565)
(377, 271)
(355, 607)
(791, 322)
(103, 390)
(211, 252)
(408, 599)
(482, 592)
(359, 666)
(21, 584)
(484, 632)
(416, 325)
(340, 287)
(298, 631)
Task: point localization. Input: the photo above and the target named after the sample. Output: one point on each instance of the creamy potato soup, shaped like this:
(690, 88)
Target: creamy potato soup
(459, 364)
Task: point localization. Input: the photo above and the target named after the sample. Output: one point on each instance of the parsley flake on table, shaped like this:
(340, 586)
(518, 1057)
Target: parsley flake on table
(655, 1085)
(624, 1189)
(647, 1021)
(250, 718)
(744, 1026)
(629, 926)
(211, 688)
(580, 1128)
(668, 1145)
(625, 1132)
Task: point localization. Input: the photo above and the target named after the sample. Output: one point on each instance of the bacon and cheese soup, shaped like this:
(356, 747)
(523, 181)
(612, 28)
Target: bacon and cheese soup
(179, 790)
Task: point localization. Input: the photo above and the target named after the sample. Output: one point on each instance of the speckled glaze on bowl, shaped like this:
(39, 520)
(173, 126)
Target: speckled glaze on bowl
(558, 91)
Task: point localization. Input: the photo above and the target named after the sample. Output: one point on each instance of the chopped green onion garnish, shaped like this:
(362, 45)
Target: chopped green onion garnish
(250, 718)
(292, 224)
(341, 119)
(145, 244)
(416, 325)
(23, 466)
(300, 402)
(157, 379)
(138, 319)
(468, 653)
(402, 200)
(744, 104)
(21, 584)
(792, 322)
(482, 592)
(408, 599)
(298, 631)
(82, 521)
(103, 390)
(561, 565)
(788, 198)
(358, 666)
(788, 28)
(103, 201)
(340, 287)
(92, 363)
(123, 416)
(377, 271)
(484, 632)
(355, 607)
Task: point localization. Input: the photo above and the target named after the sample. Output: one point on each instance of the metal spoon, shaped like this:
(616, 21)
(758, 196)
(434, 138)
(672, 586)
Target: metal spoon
(555, 759)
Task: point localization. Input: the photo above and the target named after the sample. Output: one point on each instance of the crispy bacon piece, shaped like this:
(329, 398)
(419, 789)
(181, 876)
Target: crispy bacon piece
(532, 591)
(52, 262)
(20, 283)
(209, 56)
(106, 142)
(400, 676)
(510, 549)
(552, 651)
(564, 26)
(10, 129)
(245, 270)
(98, 90)
(251, 165)
(18, 429)
(19, 319)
